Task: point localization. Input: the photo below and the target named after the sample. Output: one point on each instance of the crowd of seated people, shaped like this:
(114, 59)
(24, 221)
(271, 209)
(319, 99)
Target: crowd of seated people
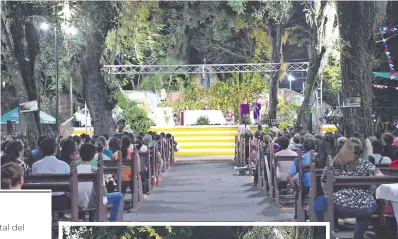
(52, 157)
(354, 156)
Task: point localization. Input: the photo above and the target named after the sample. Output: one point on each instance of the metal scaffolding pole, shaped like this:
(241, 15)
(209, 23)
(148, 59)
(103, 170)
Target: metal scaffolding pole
(203, 68)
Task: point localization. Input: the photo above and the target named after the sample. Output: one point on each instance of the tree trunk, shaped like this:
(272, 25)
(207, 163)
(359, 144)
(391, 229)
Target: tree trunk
(356, 59)
(319, 29)
(303, 116)
(275, 32)
(20, 53)
(100, 18)
(95, 90)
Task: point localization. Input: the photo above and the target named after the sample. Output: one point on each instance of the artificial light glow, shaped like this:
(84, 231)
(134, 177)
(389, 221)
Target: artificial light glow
(44, 26)
(70, 30)
(290, 78)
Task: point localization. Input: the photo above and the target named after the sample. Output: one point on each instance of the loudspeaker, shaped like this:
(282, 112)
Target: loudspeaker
(11, 127)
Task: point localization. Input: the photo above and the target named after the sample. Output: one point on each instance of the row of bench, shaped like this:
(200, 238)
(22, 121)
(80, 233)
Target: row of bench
(385, 225)
(145, 174)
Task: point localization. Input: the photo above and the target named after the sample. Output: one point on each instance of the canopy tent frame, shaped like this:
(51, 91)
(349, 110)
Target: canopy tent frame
(205, 69)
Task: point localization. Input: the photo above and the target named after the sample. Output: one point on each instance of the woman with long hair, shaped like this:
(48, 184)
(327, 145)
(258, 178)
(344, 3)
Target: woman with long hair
(127, 154)
(351, 201)
(114, 145)
(69, 152)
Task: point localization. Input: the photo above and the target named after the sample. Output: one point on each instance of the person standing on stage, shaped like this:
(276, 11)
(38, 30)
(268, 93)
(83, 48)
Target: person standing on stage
(244, 109)
(256, 111)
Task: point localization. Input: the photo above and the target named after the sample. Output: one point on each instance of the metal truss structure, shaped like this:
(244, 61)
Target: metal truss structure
(204, 68)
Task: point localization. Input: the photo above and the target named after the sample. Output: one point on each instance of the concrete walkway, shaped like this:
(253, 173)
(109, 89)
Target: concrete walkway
(207, 190)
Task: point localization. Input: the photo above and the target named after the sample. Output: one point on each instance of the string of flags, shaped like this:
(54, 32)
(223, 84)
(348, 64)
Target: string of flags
(385, 87)
(384, 32)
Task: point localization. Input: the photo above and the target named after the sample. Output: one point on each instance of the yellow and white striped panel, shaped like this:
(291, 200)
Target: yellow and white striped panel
(79, 131)
(328, 127)
(203, 140)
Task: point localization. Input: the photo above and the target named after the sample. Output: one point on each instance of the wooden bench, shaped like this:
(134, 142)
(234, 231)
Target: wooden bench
(136, 182)
(275, 180)
(268, 159)
(301, 199)
(237, 150)
(262, 160)
(173, 150)
(68, 183)
(260, 164)
(333, 181)
(154, 165)
(114, 167)
(146, 175)
(316, 174)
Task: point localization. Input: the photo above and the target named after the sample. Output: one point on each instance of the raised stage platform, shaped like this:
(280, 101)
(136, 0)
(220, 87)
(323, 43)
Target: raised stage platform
(203, 140)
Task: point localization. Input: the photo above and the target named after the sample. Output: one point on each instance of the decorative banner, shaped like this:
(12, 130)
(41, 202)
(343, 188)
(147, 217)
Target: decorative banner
(385, 87)
(383, 32)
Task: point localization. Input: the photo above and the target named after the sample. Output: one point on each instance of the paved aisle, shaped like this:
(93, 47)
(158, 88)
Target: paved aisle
(207, 191)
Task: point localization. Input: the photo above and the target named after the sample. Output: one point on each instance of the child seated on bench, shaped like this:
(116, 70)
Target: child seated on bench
(351, 201)
(309, 144)
(86, 192)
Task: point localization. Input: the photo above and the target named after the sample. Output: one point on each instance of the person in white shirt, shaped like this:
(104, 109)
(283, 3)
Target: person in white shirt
(86, 192)
(377, 151)
(244, 128)
(51, 165)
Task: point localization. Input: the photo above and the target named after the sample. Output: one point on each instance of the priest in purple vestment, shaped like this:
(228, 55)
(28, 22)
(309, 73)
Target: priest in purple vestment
(256, 111)
(244, 109)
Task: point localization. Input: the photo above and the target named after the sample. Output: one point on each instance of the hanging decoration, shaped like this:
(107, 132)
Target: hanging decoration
(384, 32)
(385, 87)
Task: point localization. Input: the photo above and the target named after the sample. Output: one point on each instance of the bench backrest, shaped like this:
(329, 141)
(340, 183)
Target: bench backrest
(389, 171)
(333, 181)
(66, 183)
(114, 167)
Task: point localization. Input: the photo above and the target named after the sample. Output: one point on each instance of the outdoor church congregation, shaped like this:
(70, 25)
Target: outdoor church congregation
(98, 178)
(201, 111)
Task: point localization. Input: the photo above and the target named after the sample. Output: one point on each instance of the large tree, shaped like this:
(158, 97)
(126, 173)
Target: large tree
(20, 48)
(321, 18)
(358, 24)
(94, 20)
(275, 14)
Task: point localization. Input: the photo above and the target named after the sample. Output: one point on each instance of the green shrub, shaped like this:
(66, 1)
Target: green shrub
(283, 125)
(134, 116)
(203, 120)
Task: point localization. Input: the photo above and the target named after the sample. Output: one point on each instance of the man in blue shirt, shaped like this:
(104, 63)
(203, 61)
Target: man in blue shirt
(309, 144)
(51, 165)
(37, 154)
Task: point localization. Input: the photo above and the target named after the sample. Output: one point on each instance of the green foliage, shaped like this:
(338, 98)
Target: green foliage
(138, 38)
(246, 120)
(287, 112)
(135, 117)
(114, 232)
(283, 125)
(166, 117)
(203, 120)
(221, 95)
(261, 232)
(332, 77)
